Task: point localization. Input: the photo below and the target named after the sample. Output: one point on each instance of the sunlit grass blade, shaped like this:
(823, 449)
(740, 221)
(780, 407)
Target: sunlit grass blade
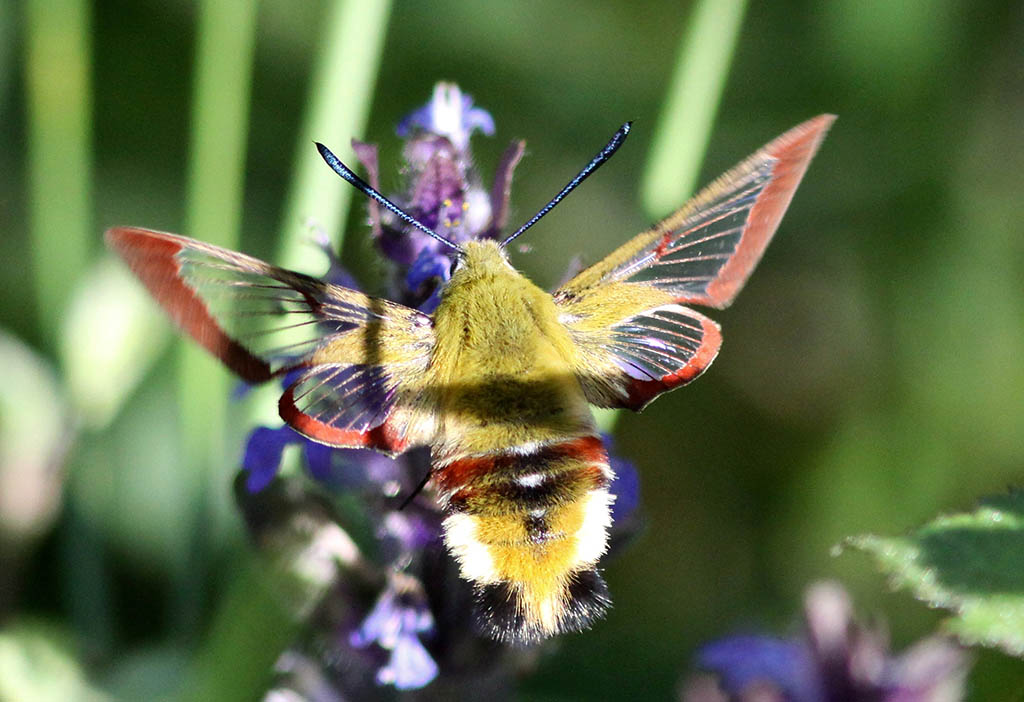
(340, 97)
(58, 62)
(341, 94)
(685, 123)
(250, 629)
(235, 664)
(226, 38)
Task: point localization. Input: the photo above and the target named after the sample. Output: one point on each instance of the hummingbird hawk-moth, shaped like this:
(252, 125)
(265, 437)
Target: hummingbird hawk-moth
(499, 379)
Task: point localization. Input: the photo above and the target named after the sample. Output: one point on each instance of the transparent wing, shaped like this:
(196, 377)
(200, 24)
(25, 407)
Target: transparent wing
(354, 406)
(637, 358)
(263, 321)
(634, 338)
(704, 252)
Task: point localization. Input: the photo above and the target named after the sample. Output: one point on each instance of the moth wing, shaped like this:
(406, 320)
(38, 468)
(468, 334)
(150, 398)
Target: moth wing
(356, 360)
(703, 253)
(634, 337)
(637, 347)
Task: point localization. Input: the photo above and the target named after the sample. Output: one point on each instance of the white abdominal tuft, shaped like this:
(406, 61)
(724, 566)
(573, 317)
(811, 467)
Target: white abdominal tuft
(475, 561)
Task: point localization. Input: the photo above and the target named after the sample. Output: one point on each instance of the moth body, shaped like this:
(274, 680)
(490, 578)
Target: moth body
(517, 459)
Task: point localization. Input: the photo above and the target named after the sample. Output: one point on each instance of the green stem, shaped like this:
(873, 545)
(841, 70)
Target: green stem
(226, 38)
(339, 105)
(249, 632)
(684, 126)
(58, 60)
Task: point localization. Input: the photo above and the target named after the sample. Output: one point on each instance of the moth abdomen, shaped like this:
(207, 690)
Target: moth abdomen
(501, 616)
(527, 526)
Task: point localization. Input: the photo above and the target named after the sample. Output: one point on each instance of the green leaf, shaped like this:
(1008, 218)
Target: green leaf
(971, 564)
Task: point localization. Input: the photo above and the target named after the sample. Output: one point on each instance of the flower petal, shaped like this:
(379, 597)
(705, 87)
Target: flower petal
(742, 661)
(410, 666)
(263, 455)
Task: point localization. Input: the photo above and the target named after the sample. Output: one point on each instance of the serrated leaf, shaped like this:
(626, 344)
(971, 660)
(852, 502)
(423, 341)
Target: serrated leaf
(971, 564)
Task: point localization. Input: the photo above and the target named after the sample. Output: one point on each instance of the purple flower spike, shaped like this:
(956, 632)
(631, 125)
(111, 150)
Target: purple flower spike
(392, 615)
(410, 667)
(443, 191)
(838, 659)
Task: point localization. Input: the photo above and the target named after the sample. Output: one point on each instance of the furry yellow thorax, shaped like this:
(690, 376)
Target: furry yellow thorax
(502, 360)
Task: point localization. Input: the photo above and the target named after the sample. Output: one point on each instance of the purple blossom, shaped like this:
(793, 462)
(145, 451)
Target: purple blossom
(625, 487)
(431, 270)
(336, 273)
(747, 662)
(450, 113)
(348, 469)
(443, 191)
(262, 457)
(395, 623)
(837, 660)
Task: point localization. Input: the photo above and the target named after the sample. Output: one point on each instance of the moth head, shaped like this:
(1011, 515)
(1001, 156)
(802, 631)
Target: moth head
(484, 257)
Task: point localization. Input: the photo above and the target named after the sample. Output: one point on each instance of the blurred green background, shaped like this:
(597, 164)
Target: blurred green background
(872, 373)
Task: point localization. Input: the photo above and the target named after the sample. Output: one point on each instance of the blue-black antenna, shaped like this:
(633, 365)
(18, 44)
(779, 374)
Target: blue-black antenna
(603, 155)
(345, 172)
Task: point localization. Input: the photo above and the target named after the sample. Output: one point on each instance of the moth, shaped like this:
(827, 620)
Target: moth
(498, 382)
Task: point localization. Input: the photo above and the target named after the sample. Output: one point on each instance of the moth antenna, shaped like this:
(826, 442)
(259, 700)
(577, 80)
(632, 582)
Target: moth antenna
(603, 155)
(366, 189)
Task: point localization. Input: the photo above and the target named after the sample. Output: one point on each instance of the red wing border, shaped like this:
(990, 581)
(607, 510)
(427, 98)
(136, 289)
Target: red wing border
(382, 437)
(791, 153)
(640, 357)
(154, 258)
(664, 349)
(344, 405)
